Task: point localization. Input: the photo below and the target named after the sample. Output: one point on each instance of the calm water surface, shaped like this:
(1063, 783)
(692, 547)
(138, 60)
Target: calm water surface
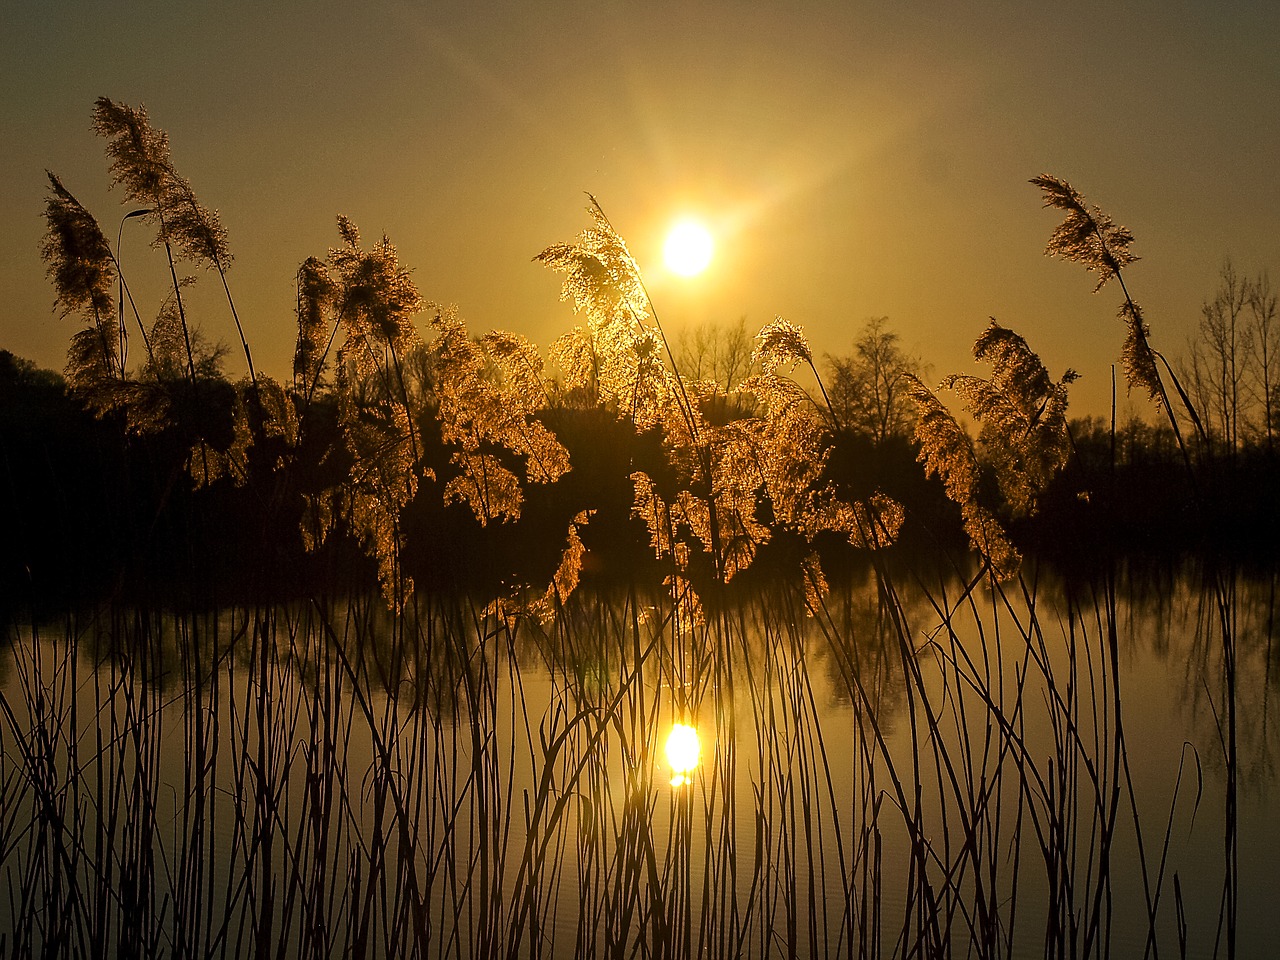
(910, 768)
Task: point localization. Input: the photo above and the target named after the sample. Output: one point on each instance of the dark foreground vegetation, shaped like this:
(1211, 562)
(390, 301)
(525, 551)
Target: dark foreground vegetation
(94, 511)
(334, 589)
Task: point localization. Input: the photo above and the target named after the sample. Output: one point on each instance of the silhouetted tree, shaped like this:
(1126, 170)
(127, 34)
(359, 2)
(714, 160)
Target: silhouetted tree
(716, 360)
(714, 353)
(1264, 330)
(1230, 369)
(1217, 359)
(869, 387)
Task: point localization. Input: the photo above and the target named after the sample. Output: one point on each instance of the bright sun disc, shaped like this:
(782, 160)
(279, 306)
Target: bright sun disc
(683, 751)
(688, 248)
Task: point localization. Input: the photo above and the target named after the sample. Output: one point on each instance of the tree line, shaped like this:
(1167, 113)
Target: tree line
(479, 461)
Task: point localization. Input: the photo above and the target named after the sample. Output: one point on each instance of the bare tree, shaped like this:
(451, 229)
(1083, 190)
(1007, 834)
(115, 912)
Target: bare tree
(1264, 333)
(1218, 357)
(1232, 371)
(869, 387)
(716, 354)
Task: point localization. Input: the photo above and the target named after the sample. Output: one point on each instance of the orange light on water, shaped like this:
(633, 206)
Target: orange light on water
(683, 752)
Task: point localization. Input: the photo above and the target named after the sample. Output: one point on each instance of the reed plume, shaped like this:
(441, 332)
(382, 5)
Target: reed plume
(512, 399)
(1022, 439)
(1088, 236)
(618, 356)
(487, 395)
(373, 300)
(1023, 415)
(80, 263)
(316, 296)
(142, 165)
(81, 266)
(781, 344)
(947, 452)
(547, 606)
(601, 277)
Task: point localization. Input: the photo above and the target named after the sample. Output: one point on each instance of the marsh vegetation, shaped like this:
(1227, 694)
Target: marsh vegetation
(380, 660)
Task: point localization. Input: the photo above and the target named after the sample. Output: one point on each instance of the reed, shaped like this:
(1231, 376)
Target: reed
(323, 778)
(375, 772)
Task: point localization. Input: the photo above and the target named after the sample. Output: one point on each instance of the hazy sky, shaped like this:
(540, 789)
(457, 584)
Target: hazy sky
(856, 159)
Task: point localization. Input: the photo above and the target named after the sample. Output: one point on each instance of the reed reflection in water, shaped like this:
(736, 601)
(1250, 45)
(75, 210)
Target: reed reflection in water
(942, 770)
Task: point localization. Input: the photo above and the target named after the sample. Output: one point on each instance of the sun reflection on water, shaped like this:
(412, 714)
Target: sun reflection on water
(683, 752)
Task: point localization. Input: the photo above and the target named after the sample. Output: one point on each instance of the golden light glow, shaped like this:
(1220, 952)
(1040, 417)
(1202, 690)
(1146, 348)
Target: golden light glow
(683, 751)
(688, 248)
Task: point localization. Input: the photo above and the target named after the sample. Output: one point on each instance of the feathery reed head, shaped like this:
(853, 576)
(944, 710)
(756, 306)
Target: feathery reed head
(601, 276)
(781, 344)
(375, 298)
(1023, 416)
(196, 230)
(1089, 236)
(92, 369)
(1086, 235)
(947, 452)
(1137, 357)
(142, 165)
(139, 153)
(79, 259)
(316, 295)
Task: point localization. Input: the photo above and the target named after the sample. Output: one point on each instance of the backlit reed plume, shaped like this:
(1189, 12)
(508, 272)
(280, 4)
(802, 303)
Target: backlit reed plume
(1023, 415)
(781, 344)
(1022, 438)
(947, 452)
(1088, 236)
(601, 277)
(793, 444)
(795, 436)
(316, 293)
(374, 300)
(82, 269)
(488, 394)
(617, 357)
(141, 164)
(546, 606)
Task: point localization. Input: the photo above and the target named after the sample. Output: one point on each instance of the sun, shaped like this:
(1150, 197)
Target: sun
(683, 752)
(688, 248)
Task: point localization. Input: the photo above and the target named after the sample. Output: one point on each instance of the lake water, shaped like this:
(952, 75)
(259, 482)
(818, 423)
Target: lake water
(924, 767)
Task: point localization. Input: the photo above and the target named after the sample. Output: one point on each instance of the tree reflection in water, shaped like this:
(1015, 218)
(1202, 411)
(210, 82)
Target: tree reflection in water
(938, 767)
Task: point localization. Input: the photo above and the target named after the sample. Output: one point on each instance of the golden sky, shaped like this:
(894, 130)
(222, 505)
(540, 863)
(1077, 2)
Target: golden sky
(855, 159)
